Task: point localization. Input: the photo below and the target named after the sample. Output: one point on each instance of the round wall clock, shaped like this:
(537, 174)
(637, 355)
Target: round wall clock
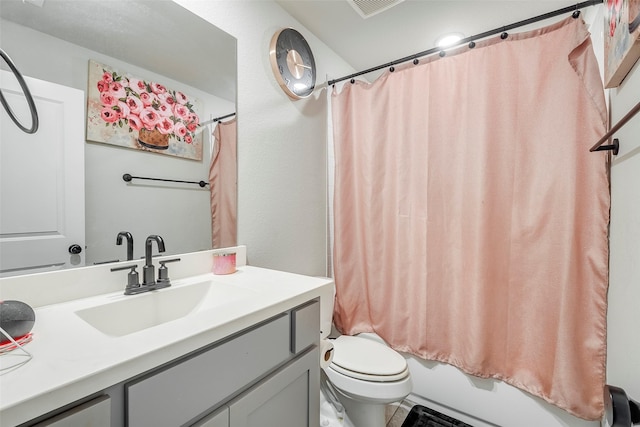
(292, 63)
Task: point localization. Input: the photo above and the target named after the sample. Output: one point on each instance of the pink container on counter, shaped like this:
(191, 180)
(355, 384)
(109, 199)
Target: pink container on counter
(224, 263)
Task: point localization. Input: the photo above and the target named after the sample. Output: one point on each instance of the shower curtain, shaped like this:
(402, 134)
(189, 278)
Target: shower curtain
(223, 185)
(470, 217)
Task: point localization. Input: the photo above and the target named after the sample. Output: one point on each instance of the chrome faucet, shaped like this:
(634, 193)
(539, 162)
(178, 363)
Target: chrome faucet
(148, 271)
(129, 238)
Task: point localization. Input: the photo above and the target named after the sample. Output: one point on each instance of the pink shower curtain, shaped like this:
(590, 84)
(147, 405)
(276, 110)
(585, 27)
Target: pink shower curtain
(223, 184)
(471, 218)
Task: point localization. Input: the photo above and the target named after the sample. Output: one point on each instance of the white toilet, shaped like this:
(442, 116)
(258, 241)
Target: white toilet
(367, 375)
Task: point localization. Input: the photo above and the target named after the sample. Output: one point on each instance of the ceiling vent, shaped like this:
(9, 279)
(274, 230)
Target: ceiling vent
(368, 8)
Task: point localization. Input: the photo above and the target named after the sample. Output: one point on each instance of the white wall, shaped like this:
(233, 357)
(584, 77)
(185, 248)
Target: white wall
(111, 205)
(281, 143)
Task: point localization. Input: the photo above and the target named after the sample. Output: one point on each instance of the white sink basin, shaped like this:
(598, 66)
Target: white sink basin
(137, 312)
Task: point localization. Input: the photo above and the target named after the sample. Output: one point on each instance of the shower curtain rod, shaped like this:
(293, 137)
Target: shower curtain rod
(575, 9)
(217, 119)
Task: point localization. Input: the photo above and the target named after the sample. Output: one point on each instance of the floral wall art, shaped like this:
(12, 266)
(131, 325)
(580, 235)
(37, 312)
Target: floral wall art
(141, 114)
(622, 39)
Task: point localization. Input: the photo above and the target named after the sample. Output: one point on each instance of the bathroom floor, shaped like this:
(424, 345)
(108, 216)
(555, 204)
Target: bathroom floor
(396, 413)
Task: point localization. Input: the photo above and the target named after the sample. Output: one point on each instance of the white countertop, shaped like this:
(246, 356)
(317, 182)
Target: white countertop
(71, 359)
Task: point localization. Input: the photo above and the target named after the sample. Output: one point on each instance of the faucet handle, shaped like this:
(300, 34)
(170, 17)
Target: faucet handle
(124, 267)
(133, 282)
(163, 273)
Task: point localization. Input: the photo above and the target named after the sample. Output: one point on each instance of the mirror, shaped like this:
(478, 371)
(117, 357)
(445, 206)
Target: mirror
(54, 41)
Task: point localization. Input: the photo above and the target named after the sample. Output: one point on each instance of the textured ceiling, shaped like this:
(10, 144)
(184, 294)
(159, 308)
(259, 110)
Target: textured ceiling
(409, 27)
(157, 35)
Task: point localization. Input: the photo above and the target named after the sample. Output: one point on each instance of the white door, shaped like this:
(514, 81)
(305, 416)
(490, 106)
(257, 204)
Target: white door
(41, 179)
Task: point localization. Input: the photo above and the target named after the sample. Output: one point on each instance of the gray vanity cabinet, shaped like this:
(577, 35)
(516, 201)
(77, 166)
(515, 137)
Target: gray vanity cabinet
(175, 395)
(265, 376)
(280, 400)
(288, 396)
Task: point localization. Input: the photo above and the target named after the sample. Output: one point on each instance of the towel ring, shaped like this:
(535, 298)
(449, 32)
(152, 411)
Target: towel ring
(27, 94)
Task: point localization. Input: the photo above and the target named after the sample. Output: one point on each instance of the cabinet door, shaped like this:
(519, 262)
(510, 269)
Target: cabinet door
(95, 413)
(288, 398)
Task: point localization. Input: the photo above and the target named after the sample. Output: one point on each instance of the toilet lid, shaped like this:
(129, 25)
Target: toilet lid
(367, 359)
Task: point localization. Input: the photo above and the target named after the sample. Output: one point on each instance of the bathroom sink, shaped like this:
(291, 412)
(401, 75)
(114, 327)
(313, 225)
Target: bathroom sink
(137, 312)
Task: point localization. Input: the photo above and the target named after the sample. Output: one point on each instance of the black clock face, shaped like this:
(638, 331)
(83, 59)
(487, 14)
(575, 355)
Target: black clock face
(293, 63)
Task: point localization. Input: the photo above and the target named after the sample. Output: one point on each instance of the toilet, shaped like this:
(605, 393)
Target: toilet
(366, 375)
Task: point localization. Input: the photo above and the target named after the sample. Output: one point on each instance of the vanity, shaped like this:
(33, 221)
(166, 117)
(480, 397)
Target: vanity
(211, 350)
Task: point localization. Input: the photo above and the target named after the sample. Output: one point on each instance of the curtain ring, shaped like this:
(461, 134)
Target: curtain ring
(576, 13)
(415, 61)
(472, 44)
(27, 94)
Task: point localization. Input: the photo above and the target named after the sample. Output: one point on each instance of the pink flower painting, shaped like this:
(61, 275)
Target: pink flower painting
(142, 114)
(622, 39)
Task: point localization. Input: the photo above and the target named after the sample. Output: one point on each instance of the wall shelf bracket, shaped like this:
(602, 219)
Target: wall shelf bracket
(614, 147)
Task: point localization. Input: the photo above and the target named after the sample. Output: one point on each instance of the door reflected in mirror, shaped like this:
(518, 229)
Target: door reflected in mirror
(159, 40)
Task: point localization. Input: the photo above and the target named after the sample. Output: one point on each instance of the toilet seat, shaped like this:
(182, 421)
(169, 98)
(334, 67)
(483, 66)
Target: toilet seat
(367, 360)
